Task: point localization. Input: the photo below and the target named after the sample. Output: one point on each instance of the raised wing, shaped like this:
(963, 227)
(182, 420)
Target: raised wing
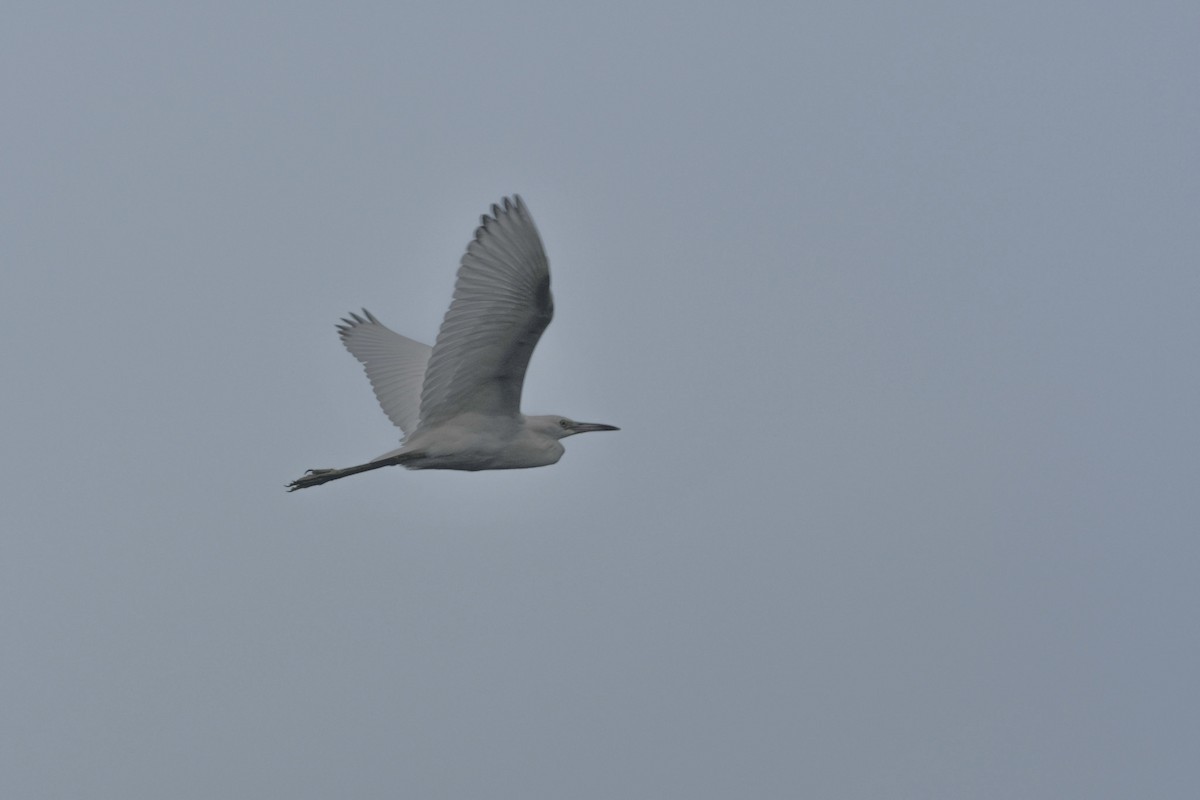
(394, 364)
(501, 305)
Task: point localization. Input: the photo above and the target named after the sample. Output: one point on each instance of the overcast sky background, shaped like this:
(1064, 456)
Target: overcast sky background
(898, 308)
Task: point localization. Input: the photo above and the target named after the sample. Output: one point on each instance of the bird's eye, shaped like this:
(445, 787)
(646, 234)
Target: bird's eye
(564, 423)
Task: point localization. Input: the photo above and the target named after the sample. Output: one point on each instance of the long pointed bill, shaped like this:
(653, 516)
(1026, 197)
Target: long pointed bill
(588, 427)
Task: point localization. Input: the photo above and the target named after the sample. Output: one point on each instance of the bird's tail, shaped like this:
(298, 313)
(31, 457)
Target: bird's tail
(315, 477)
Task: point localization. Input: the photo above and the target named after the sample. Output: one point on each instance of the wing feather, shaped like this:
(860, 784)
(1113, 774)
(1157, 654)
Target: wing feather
(394, 364)
(501, 305)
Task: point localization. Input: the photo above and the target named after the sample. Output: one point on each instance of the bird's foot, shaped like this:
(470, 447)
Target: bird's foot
(313, 477)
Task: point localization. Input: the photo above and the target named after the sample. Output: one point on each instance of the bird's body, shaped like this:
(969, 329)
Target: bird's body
(474, 442)
(458, 403)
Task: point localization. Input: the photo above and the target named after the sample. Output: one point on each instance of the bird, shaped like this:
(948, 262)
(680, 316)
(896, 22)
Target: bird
(458, 403)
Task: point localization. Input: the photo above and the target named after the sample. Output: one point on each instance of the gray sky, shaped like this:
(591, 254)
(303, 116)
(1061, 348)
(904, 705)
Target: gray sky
(896, 309)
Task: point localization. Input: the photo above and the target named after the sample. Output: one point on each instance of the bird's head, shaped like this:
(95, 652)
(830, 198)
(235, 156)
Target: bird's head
(562, 427)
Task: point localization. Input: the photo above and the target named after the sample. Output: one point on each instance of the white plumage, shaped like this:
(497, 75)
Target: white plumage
(459, 402)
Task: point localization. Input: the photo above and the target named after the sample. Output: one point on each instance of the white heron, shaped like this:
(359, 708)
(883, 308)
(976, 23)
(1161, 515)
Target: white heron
(458, 403)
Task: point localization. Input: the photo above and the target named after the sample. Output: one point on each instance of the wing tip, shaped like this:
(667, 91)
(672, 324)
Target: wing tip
(354, 320)
(507, 205)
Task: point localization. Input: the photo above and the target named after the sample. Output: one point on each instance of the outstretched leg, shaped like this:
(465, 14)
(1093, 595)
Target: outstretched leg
(315, 477)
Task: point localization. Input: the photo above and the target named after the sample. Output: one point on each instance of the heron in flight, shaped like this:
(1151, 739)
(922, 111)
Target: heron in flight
(458, 403)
